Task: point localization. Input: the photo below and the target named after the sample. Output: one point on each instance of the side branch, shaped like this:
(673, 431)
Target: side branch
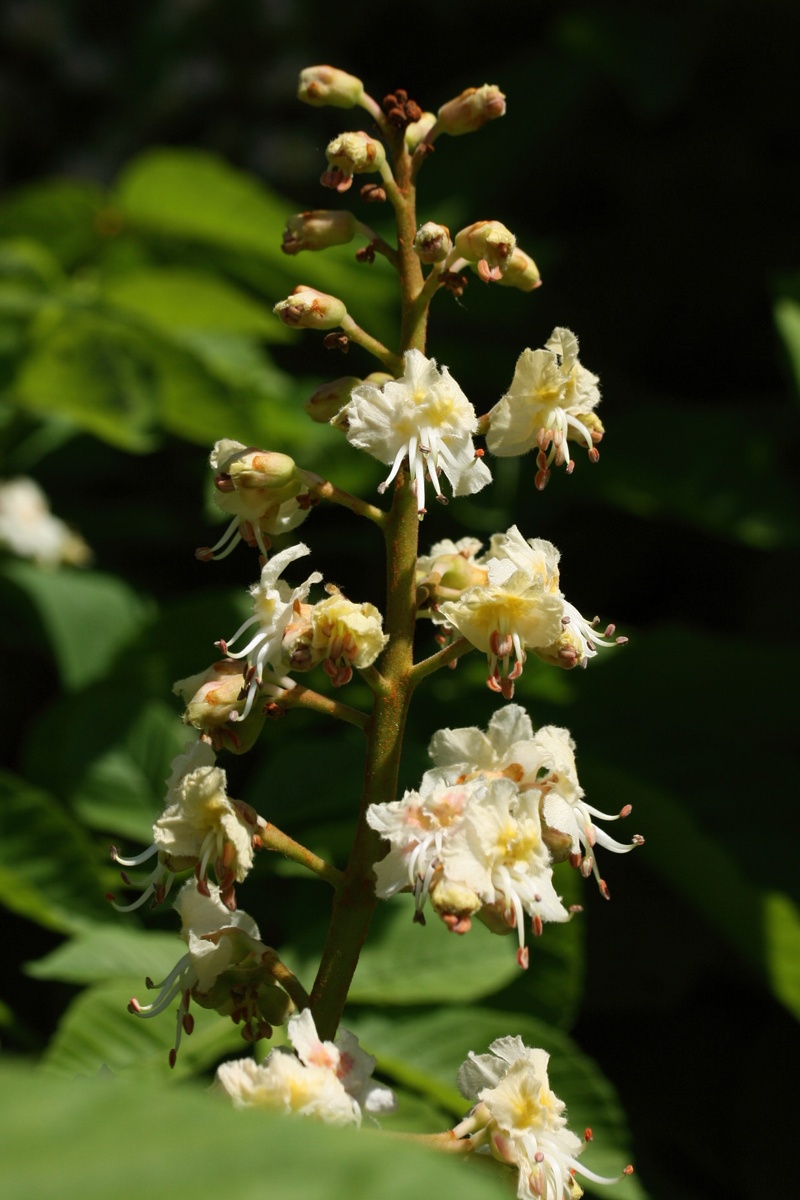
(323, 489)
(272, 838)
(442, 658)
(355, 333)
(303, 697)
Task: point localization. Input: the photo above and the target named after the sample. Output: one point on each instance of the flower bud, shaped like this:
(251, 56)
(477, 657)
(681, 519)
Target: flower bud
(329, 398)
(323, 85)
(351, 154)
(212, 695)
(521, 272)
(317, 230)
(417, 131)
(307, 308)
(489, 244)
(471, 110)
(433, 242)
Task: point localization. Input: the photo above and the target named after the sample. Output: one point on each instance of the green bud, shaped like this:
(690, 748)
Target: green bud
(307, 308)
(320, 86)
(317, 230)
(471, 110)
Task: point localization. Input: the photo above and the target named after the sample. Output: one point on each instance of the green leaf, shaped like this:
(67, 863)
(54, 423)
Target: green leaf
(194, 194)
(29, 263)
(108, 753)
(764, 926)
(97, 955)
(242, 221)
(99, 373)
(177, 300)
(707, 492)
(787, 318)
(97, 1031)
(423, 1051)
(404, 963)
(62, 214)
(49, 871)
(106, 1137)
(87, 617)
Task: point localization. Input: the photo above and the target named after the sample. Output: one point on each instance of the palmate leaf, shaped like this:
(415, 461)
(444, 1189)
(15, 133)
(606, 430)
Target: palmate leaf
(423, 1051)
(98, 1032)
(49, 871)
(86, 616)
(106, 1137)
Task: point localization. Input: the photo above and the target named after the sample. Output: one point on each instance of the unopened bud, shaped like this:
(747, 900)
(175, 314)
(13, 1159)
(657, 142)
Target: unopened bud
(417, 131)
(521, 272)
(324, 403)
(319, 86)
(317, 230)
(488, 244)
(307, 308)
(351, 154)
(211, 696)
(433, 242)
(472, 109)
(264, 469)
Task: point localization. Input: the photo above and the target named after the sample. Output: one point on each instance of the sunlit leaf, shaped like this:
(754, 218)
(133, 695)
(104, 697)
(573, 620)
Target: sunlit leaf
(99, 954)
(105, 1136)
(97, 1031)
(177, 300)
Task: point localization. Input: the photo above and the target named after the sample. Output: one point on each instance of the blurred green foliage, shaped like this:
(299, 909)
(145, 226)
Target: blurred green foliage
(656, 192)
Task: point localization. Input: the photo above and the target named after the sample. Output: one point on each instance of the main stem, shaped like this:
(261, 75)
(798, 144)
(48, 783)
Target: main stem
(356, 901)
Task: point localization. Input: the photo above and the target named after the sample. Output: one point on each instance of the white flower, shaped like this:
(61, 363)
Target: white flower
(566, 815)
(217, 940)
(416, 828)
(501, 856)
(552, 397)
(513, 611)
(29, 529)
(327, 1080)
(199, 827)
(423, 417)
(346, 635)
(273, 606)
(520, 1121)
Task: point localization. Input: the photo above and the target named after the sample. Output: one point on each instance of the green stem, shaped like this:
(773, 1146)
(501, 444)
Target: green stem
(323, 489)
(288, 981)
(441, 659)
(303, 697)
(275, 839)
(356, 334)
(355, 903)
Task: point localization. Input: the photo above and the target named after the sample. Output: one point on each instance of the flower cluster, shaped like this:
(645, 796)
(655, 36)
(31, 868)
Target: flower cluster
(200, 827)
(520, 1121)
(327, 1080)
(481, 834)
(227, 967)
(507, 602)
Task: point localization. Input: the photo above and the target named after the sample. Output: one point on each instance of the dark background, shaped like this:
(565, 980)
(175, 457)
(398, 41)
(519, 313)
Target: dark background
(648, 161)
